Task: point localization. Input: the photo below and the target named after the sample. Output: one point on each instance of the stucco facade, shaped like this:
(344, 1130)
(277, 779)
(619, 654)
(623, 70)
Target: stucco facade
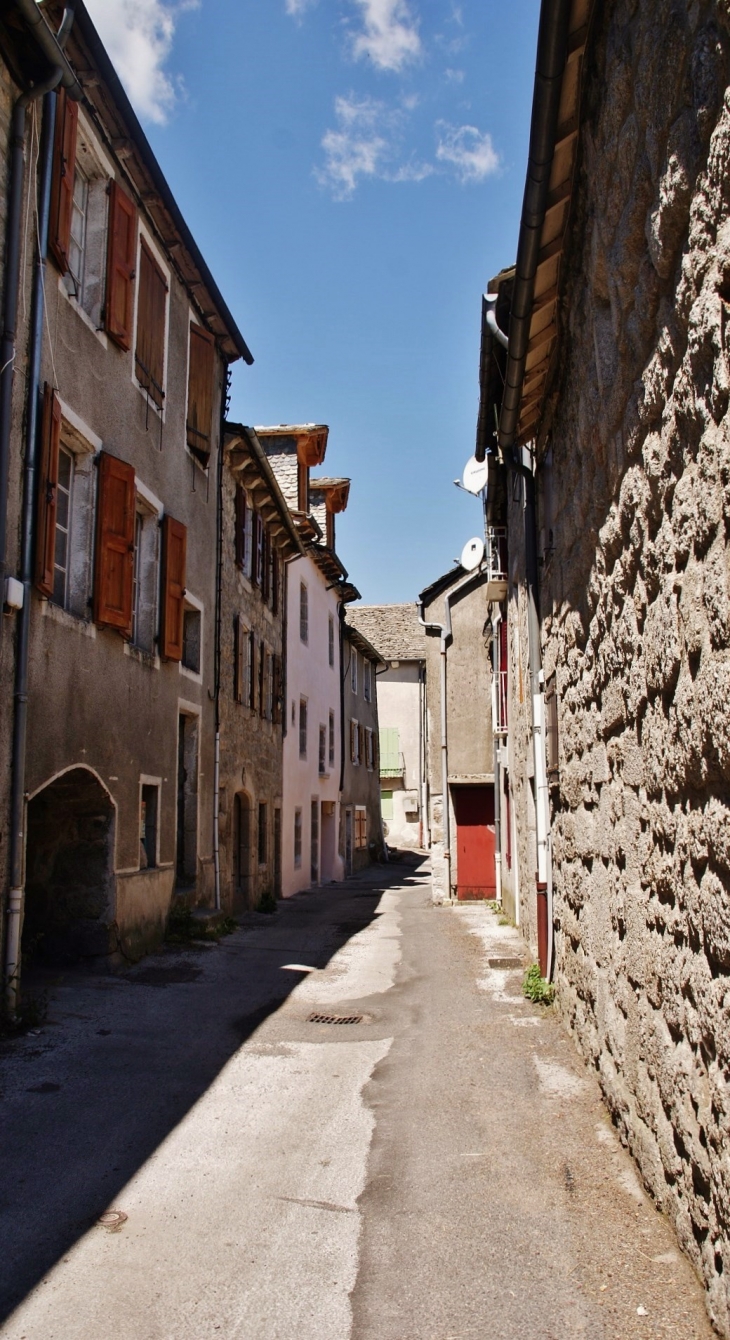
(395, 632)
(118, 760)
(361, 837)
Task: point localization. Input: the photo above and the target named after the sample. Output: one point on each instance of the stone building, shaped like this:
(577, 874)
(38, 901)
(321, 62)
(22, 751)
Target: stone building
(109, 453)
(317, 593)
(361, 837)
(460, 748)
(400, 640)
(614, 429)
(259, 540)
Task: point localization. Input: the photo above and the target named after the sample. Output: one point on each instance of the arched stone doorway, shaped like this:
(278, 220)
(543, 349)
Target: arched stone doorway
(242, 852)
(69, 870)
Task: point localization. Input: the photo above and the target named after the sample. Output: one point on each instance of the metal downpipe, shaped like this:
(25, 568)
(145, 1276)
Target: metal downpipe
(20, 723)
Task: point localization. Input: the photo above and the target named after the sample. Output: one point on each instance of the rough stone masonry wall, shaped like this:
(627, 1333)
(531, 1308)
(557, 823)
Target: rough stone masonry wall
(636, 601)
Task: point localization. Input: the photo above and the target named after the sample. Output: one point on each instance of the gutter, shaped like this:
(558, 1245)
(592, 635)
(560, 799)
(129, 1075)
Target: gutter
(444, 631)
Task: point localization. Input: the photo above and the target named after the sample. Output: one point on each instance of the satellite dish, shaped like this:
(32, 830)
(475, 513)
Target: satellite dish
(472, 554)
(475, 475)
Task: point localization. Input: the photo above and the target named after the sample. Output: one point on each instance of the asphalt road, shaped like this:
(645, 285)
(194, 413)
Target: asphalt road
(441, 1168)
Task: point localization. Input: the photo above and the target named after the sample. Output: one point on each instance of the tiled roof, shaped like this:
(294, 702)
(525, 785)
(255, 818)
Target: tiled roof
(393, 630)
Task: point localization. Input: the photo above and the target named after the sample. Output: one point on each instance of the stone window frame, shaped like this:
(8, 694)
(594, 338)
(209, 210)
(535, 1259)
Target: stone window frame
(155, 783)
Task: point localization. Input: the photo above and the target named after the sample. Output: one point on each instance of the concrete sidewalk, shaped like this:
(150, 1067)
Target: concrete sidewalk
(441, 1168)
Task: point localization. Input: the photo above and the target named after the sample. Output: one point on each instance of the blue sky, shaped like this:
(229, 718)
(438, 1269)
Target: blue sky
(353, 172)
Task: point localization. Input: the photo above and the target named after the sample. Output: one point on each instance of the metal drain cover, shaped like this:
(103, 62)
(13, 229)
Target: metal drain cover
(112, 1219)
(335, 1018)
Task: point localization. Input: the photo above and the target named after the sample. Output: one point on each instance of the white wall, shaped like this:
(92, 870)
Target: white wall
(310, 675)
(399, 699)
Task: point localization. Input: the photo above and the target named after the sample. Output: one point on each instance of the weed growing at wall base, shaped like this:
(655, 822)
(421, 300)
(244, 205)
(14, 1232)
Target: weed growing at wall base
(535, 988)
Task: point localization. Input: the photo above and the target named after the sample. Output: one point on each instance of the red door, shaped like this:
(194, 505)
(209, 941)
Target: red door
(475, 868)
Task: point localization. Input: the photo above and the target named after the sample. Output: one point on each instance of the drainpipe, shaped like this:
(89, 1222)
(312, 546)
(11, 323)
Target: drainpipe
(20, 723)
(444, 631)
(495, 744)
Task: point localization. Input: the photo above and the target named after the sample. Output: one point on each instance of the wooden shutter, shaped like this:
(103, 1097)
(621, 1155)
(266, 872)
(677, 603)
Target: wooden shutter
(174, 547)
(47, 484)
(274, 580)
(265, 565)
(353, 730)
(262, 680)
(120, 260)
(239, 654)
(361, 744)
(278, 691)
(149, 353)
(241, 509)
(62, 185)
(201, 371)
(114, 566)
(252, 671)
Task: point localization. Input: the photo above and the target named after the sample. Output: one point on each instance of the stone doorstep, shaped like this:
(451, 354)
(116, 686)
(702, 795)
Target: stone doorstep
(208, 918)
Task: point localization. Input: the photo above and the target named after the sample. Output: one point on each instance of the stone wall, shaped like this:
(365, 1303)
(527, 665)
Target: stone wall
(636, 607)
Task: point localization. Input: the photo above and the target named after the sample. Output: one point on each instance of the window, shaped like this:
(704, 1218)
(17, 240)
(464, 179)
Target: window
(262, 680)
(263, 833)
(251, 671)
(148, 826)
(369, 749)
(322, 750)
(297, 839)
(354, 743)
(353, 671)
(332, 740)
(331, 640)
(257, 550)
(269, 687)
(78, 211)
(302, 728)
(77, 233)
(174, 552)
(367, 680)
(278, 682)
(275, 579)
(361, 827)
(303, 612)
(149, 354)
(62, 555)
(314, 849)
(65, 516)
(146, 560)
(192, 628)
(201, 371)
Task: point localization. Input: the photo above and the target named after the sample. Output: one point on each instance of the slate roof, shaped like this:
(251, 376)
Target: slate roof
(393, 630)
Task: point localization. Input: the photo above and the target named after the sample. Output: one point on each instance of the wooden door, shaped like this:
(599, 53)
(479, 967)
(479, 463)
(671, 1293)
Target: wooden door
(475, 866)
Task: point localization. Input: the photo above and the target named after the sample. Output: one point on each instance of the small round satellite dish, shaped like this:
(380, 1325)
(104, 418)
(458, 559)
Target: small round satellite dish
(475, 475)
(472, 554)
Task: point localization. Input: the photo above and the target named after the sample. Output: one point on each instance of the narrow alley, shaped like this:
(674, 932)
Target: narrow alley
(406, 1173)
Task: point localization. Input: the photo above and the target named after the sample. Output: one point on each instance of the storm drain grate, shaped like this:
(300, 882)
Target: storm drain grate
(334, 1018)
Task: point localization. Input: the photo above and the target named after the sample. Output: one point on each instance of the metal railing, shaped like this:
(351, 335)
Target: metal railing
(496, 554)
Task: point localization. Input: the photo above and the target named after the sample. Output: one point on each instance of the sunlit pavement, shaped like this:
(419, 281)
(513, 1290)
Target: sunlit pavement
(438, 1166)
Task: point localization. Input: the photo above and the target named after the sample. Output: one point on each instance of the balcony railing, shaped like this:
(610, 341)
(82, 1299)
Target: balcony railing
(500, 725)
(496, 554)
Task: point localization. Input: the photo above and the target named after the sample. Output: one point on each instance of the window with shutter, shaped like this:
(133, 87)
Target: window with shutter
(62, 185)
(262, 680)
(265, 565)
(149, 354)
(121, 247)
(201, 372)
(48, 492)
(360, 743)
(174, 548)
(275, 579)
(251, 672)
(115, 524)
(240, 644)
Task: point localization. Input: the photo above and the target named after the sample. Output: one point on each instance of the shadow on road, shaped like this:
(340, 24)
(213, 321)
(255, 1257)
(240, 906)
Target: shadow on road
(121, 1060)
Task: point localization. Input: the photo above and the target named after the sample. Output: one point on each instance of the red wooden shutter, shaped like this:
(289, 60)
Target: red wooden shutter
(241, 508)
(200, 390)
(47, 482)
(119, 305)
(174, 547)
(149, 354)
(62, 185)
(114, 571)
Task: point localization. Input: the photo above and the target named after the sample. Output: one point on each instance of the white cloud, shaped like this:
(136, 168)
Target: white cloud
(467, 150)
(358, 148)
(390, 34)
(454, 76)
(298, 7)
(138, 34)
